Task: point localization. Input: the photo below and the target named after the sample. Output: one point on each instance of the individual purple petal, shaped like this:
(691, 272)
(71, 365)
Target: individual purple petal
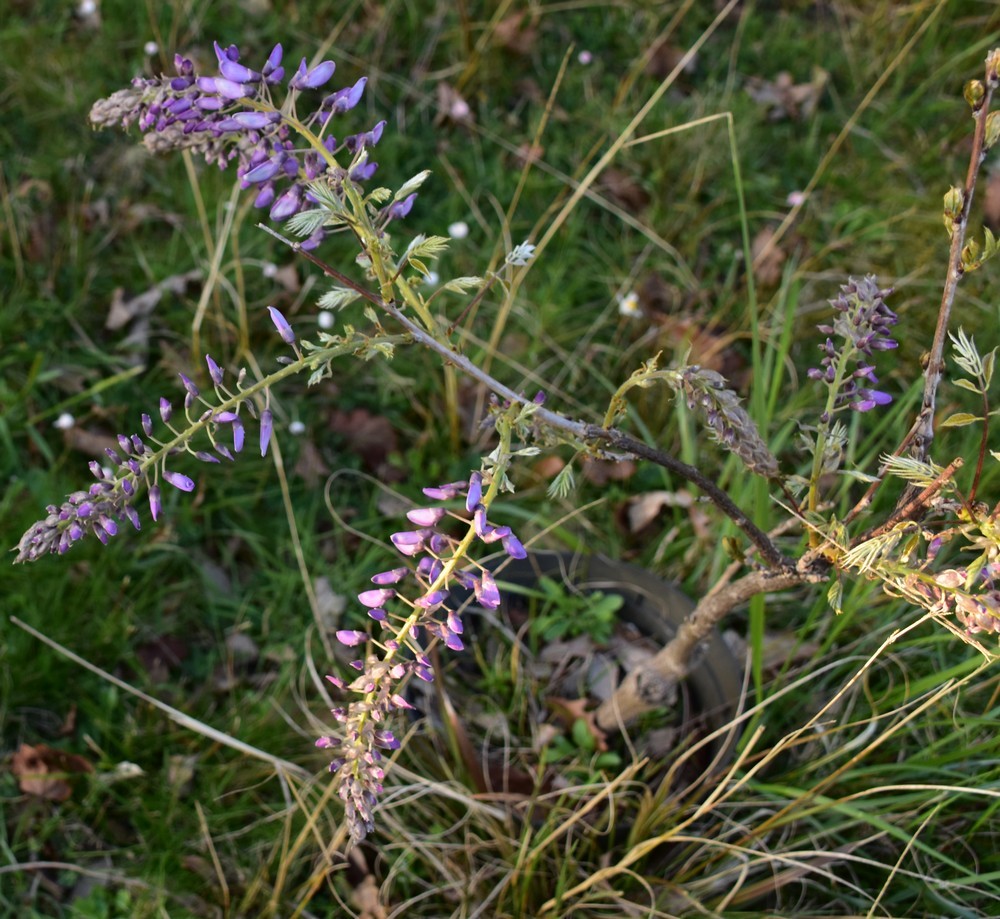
(224, 417)
(261, 173)
(133, 516)
(351, 637)
(483, 529)
(453, 642)
(336, 680)
(393, 576)
(178, 480)
(487, 591)
(375, 598)
(475, 495)
(314, 78)
(345, 99)
(154, 501)
(409, 542)
(425, 516)
(224, 452)
(189, 386)
(287, 204)
(399, 702)
(266, 425)
(378, 614)
(281, 324)
(273, 63)
(237, 72)
(265, 196)
(399, 209)
(431, 600)
(513, 546)
(446, 492)
(214, 370)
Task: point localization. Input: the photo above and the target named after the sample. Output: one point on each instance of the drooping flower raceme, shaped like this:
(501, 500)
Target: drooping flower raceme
(405, 602)
(233, 114)
(140, 461)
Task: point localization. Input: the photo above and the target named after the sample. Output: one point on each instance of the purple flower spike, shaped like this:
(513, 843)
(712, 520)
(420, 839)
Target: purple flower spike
(312, 79)
(281, 324)
(154, 501)
(351, 637)
(266, 426)
(475, 495)
(376, 598)
(178, 480)
(426, 516)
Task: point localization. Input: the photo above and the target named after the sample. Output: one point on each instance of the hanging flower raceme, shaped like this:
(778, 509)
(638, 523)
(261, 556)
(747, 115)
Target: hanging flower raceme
(405, 602)
(233, 115)
(212, 431)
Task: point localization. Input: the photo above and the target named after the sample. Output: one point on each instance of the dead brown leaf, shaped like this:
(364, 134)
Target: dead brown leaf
(571, 710)
(310, 465)
(370, 436)
(41, 771)
(161, 655)
(625, 190)
(123, 310)
(783, 98)
(515, 36)
(768, 258)
(644, 509)
(365, 898)
(665, 57)
(601, 472)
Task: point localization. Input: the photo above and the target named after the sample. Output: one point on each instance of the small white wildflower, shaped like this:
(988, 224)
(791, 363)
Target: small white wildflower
(150, 48)
(269, 270)
(521, 255)
(431, 278)
(325, 320)
(458, 230)
(628, 304)
(585, 58)
(296, 428)
(795, 198)
(459, 110)
(64, 422)
(86, 8)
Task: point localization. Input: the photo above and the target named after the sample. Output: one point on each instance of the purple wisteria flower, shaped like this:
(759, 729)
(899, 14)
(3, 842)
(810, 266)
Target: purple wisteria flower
(139, 465)
(403, 615)
(861, 327)
(233, 115)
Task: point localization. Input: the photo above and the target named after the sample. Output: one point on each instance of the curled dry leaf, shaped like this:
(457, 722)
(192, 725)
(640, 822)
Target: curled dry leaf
(42, 771)
(644, 509)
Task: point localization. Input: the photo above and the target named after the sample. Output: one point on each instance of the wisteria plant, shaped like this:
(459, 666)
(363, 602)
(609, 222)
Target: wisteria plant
(282, 129)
